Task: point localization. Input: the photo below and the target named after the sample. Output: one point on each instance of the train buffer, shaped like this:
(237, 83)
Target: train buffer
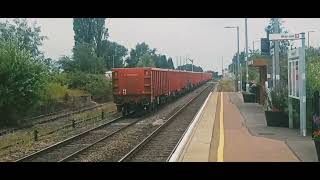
(228, 130)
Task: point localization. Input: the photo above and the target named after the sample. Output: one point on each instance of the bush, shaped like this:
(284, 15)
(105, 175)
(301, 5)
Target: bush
(96, 84)
(100, 88)
(280, 99)
(22, 80)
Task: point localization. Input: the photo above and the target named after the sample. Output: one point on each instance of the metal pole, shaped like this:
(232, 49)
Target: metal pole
(302, 89)
(247, 73)
(289, 98)
(239, 73)
(276, 57)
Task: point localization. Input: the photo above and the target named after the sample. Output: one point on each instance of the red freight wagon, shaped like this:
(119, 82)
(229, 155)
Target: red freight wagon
(145, 88)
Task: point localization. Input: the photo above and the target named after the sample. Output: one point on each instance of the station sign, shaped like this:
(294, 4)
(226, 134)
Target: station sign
(294, 57)
(274, 37)
(293, 54)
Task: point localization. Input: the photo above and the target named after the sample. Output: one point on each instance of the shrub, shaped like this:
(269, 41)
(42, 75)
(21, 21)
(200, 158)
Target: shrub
(22, 79)
(280, 99)
(96, 84)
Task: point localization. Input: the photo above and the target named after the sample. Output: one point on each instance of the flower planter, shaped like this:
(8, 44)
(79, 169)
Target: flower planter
(317, 144)
(277, 119)
(249, 97)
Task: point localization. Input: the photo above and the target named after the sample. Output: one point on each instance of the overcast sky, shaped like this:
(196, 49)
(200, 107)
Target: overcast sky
(203, 39)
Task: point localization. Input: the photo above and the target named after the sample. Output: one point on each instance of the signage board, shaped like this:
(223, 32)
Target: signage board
(294, 57)
(265, 46)
(274, 37)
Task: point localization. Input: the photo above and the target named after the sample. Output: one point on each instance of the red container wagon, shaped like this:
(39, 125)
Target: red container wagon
(145, 88)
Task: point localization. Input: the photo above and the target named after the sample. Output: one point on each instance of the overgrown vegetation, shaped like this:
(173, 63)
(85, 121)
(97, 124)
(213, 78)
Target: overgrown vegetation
(23, 80)
(226, 86)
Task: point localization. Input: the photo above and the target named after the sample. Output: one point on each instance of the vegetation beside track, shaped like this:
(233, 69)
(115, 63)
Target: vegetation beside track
(22, 141)
(226, 85)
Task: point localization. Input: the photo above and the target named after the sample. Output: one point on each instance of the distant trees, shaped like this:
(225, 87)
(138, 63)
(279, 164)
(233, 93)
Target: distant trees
(91, 31)
(144, 56)
(170, 63)
(140, 50)
(188, 67)
(113, 54)
(146, 61)
(26, 37)
(271, 29)
(92, 52)
(93, 55)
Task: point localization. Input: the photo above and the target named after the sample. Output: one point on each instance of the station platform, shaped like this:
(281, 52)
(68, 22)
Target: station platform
(228, 130)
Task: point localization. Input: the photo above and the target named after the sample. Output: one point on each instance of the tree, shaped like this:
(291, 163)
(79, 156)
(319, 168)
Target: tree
(138, 52)
(67, 64)
(170, 63)
(86, 60)
(188, 67)
(91, 31)
(113, 52)
(146, 61)
(161, 61)
(28, 37)
(271, 29)
(52, 65)
(22, 78)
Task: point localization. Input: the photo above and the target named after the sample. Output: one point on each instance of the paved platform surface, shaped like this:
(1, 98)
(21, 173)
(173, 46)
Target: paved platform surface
(240, 134)
(241, 146)
(302, 147)
(198, 147)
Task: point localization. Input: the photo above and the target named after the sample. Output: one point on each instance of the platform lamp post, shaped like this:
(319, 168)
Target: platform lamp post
(238, 61)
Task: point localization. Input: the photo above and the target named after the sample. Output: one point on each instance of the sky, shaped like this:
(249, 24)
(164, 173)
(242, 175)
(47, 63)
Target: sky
(203, 39)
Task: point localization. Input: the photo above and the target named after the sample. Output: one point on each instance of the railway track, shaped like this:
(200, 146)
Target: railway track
(160, 144)
(75, 144)
(41, 119)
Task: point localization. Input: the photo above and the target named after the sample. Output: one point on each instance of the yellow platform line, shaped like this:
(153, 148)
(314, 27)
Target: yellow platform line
(221, 136)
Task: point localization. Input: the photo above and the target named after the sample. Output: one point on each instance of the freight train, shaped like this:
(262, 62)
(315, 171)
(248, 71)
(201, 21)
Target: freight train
(146, 88)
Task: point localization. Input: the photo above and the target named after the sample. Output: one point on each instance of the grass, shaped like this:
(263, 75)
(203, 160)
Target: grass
(226, 85)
